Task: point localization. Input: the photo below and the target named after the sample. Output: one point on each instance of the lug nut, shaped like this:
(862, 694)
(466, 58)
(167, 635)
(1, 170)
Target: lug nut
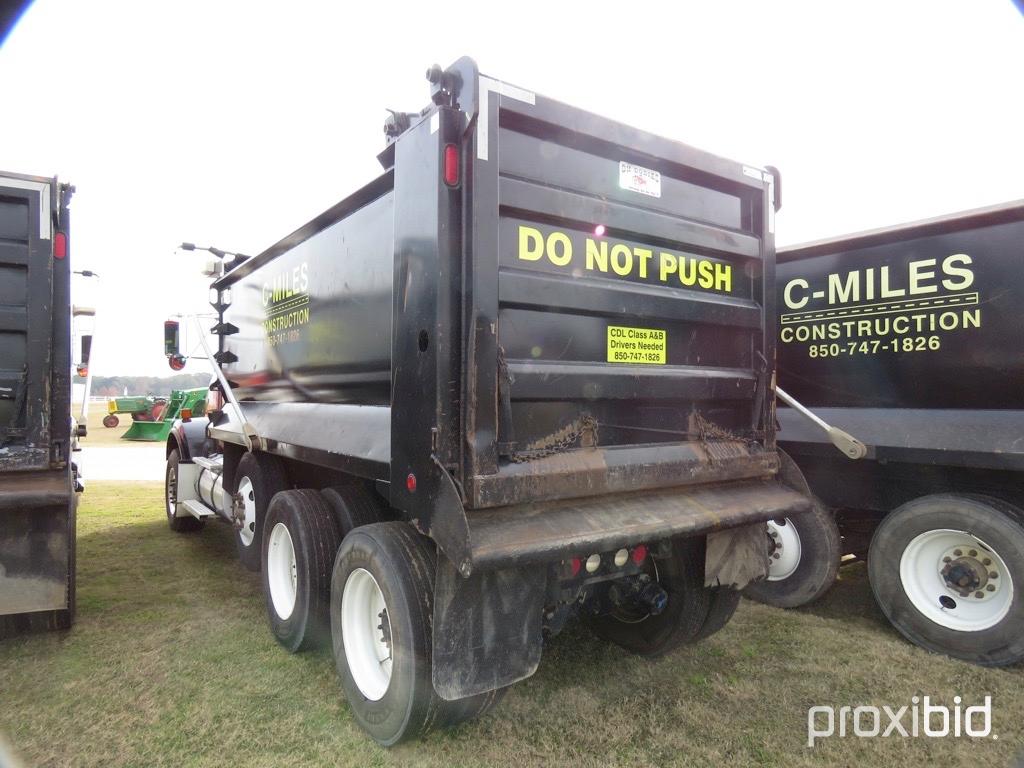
(973, 553)
(947, 559)
(777, 556)
(986, 561)
(991, 587)
(958, 552)
(979, 595)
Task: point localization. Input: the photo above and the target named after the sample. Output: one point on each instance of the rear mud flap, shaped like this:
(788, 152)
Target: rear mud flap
(487, 628)
(736, 557)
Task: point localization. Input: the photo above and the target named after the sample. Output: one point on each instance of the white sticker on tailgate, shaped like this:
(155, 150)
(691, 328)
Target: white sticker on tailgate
(636, 178)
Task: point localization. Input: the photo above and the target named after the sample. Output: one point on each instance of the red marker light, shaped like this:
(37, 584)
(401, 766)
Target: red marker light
(576, 565)
(410, 483)
(60, 245)
(451, 165)
(83, 371)
(639, 554)
(599, 230)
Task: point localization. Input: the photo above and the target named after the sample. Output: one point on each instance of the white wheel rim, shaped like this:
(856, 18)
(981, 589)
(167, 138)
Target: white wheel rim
(928, 564)
(785, 557)
(281, 571)
(248, 530)
(366, 630)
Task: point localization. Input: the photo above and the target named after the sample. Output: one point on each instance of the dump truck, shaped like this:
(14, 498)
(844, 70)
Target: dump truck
(38, 477)
(908, 338)
(523, 376)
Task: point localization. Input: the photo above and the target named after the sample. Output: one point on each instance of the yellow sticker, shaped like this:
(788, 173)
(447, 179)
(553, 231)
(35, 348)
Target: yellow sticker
(644, 346)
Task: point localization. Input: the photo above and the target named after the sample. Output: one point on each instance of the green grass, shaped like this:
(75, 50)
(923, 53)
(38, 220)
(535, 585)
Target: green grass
(171, 663)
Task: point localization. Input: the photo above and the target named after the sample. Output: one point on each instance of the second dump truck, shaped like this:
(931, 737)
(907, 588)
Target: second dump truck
(523, 376)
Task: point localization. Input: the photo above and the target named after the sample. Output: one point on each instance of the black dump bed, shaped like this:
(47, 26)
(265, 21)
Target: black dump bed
(37, 521)
(909, 338)
(531, 303)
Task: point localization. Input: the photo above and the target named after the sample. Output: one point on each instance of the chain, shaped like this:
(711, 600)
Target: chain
(563, 439)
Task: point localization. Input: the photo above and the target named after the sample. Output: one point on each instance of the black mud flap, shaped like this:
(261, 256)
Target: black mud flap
(487, 628)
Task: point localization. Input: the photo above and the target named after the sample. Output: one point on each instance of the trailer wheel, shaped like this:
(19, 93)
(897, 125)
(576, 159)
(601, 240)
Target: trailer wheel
(353, 506)
(382, 594)
(178, 524)
(300, 541)
(948, 572)
(259, 477)
(688, 610)
(110, 421)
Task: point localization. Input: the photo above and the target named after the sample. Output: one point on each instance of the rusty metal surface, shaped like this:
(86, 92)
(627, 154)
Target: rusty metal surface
(537, 532)
(595, 471)
(27, 490)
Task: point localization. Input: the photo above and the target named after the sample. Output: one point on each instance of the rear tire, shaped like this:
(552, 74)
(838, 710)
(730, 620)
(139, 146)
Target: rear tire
(807, 546)
(177, 524)
(258, 478)
(382, 597)
(301, 539)
(689, 604)
(354, 506)
(914, 584)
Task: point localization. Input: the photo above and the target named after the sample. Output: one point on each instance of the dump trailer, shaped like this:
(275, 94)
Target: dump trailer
(37, 478)
(523, 376)
(909, 338)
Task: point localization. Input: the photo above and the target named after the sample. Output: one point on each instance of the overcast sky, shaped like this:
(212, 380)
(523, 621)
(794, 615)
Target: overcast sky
(233, 123)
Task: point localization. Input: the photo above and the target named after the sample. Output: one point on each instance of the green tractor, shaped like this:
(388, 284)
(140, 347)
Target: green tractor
(153, 417)
(141, 408)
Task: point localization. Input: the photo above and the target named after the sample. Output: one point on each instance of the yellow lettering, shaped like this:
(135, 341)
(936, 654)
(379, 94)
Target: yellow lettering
(917, 275)
(723, 277)
(839, 292)
(622, 259)
(707, 273)
(966, 275)
(669, 264)
(787, 293)
(563, 258)
(531, 244)
(691, 277)
(595, 257)
(644, 255)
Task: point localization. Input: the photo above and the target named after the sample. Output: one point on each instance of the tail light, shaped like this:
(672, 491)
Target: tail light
(639, 554)
(60, 245)
(451, 165)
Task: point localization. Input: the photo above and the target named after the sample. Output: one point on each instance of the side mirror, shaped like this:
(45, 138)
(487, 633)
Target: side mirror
(83, 364)
(171, 338)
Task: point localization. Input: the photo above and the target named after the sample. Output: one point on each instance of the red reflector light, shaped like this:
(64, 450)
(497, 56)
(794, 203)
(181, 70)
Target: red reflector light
(451, 165)
(639, 554)
(576, 565)
(410, 483)
(83, 371)
(186, 414)
(60, 245)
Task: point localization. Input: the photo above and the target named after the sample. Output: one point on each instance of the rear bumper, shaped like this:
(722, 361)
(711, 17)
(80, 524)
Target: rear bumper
(542, 532)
